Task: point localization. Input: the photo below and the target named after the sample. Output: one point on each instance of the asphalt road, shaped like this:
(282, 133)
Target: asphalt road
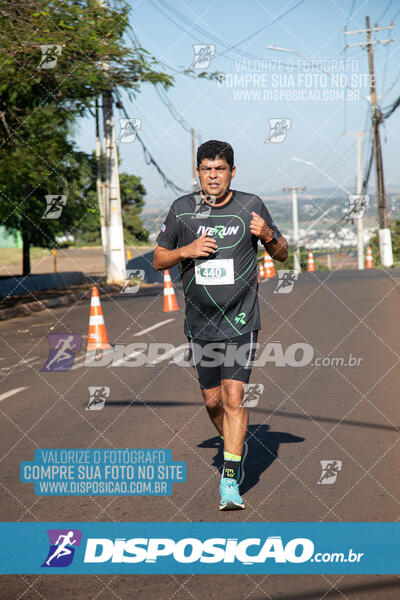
(306, 414)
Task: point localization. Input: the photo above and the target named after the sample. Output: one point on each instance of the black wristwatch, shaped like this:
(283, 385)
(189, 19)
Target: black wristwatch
(273, 239)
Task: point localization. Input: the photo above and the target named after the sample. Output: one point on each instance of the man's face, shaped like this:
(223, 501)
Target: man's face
(215, 176)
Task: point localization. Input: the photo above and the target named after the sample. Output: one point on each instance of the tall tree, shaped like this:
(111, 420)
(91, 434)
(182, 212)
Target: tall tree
(56, 56)
(132, 200)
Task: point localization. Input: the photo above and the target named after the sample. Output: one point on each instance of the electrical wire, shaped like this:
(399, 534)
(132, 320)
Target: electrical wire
(149, 160)
(386, 9)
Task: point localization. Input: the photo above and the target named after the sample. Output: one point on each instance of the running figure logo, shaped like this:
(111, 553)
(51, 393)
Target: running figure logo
(62, 351)
(252, 393)
(278, 129)
(330, 470)
(203, 54)
(50, 54)
(54, 207)
(97, 397)
(128, 130)
(357, 205)
(62, 547)
(201, 209)
(286, 281)
(133, 279)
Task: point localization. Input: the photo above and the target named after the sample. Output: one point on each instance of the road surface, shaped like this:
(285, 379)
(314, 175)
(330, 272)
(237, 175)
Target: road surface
(323, 410)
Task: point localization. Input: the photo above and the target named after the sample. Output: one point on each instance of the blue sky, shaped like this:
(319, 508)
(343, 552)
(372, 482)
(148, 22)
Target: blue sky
(314, 29)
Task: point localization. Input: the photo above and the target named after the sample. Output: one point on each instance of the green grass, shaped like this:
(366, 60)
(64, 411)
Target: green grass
(13, 256)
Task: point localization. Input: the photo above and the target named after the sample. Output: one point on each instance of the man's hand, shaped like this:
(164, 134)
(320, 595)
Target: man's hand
(260, 229)
(203, 246)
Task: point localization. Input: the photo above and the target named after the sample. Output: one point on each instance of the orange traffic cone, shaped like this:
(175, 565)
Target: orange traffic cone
(97, 336)
(261, 271)
(170, 303)
(369, 261)
(269, 269)
(310, 262)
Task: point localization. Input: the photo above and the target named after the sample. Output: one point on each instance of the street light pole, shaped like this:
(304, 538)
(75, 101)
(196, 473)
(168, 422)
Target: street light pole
(295, 216)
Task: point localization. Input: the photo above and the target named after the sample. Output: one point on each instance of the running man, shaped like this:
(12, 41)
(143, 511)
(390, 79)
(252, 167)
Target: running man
(64, 345)
(62, 549)
(214, 235)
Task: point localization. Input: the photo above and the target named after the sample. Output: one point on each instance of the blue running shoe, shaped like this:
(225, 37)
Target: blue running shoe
(230, 497)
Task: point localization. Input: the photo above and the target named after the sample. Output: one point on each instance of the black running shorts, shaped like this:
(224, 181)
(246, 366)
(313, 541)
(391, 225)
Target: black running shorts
(229, 359)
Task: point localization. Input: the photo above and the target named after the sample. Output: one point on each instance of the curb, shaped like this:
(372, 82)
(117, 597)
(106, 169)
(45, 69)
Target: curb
(38, 305)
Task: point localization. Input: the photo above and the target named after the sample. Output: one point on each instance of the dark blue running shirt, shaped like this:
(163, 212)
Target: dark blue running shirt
(221, 300)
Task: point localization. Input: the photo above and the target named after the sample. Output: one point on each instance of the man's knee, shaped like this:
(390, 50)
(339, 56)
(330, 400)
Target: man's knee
(212, 397)
(232, 394)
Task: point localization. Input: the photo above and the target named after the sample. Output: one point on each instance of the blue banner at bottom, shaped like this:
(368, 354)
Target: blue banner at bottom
(205, 548)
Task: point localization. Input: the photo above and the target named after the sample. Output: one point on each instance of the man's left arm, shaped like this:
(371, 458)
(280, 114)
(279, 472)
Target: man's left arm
(276, 247)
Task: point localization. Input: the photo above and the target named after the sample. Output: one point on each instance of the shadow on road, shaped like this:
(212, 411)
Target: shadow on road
(137, 402)
(263, 450)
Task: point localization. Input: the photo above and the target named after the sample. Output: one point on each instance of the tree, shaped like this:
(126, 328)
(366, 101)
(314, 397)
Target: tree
(132, 192)
(132, 200)
(38, 105)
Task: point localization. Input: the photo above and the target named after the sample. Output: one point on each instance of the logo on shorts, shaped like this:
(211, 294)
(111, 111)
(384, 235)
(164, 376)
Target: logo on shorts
(163, 227)
(62, 547)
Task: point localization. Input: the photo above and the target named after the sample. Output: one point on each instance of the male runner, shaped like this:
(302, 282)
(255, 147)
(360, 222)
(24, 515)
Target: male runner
(214, 234)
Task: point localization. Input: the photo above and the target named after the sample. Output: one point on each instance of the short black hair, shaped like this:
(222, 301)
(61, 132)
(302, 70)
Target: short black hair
(215, 149)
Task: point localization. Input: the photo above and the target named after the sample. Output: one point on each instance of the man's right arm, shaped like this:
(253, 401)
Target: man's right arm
(202, 247)
(165, 259)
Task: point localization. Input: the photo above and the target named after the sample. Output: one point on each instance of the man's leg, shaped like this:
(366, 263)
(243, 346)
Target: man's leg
(235, 427)
(236, 417)
(213, 401)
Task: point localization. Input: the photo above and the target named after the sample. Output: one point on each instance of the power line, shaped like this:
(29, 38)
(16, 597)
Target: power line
(386, 9)
(173, 111)
(215, 39)
(351, 11)
(200, 29)
(149, 160)
(249, 37)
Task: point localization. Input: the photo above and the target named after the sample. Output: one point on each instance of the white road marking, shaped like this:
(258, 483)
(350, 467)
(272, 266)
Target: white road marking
(24, 361)
(176, 352)
(153, 327)
(12, 392)
(121, 361)
(78, 362)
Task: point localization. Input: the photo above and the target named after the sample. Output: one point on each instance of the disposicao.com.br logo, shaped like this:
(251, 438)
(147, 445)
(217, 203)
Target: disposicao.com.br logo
(247, 551)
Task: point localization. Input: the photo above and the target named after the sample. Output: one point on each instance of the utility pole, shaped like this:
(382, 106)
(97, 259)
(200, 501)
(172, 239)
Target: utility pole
(99, 183)
(360, 241)
(115, 260)
(385, 242)
(114, 233)
(296, 251)
(194, 180)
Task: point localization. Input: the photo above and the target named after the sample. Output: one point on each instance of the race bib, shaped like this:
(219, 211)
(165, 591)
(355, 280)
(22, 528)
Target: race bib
(215, 272)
